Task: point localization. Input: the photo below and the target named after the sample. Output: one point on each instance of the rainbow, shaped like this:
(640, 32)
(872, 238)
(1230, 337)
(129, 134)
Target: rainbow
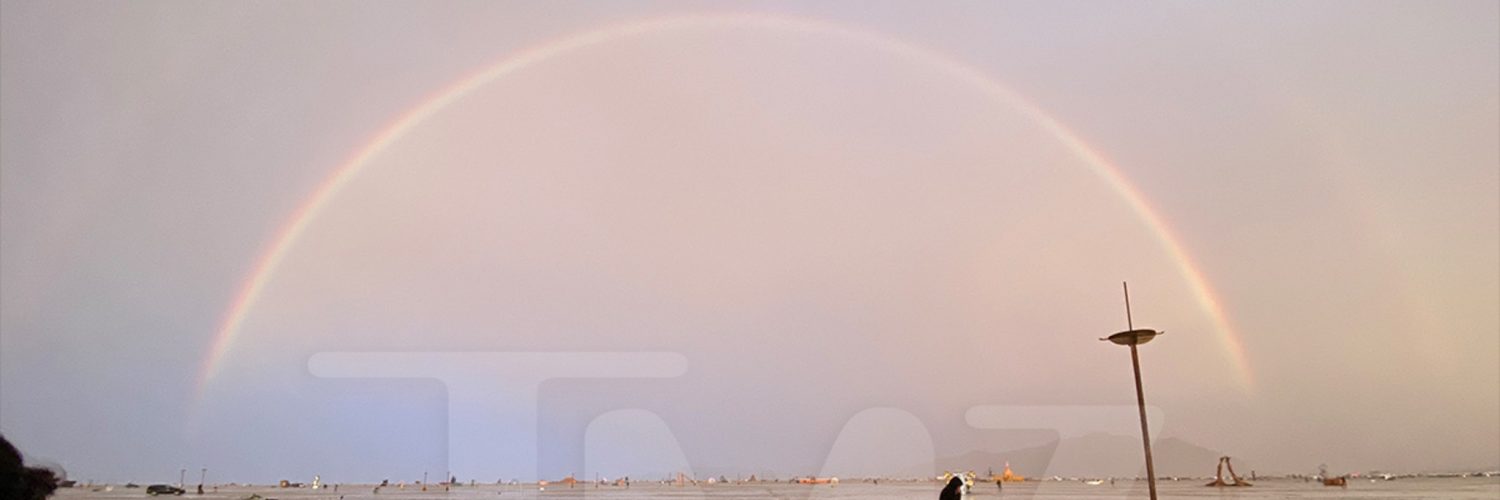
(271, 257)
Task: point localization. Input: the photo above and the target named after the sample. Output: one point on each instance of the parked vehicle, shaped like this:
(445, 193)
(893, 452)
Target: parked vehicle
(164, 489)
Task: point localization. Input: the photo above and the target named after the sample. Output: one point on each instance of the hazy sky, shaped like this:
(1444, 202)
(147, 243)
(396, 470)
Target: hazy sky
(818, 224)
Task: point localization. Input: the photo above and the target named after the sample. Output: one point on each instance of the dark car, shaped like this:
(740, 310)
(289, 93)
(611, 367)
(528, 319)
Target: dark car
(164, 489)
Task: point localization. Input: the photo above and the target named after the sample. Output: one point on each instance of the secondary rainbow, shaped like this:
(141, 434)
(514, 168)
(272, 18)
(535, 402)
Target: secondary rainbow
(271, 257)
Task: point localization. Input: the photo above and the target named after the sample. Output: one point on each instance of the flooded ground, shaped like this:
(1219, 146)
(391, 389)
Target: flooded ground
(1422, 488)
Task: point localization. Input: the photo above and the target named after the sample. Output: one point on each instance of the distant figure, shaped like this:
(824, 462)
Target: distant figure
(20, 482)
(954, 490)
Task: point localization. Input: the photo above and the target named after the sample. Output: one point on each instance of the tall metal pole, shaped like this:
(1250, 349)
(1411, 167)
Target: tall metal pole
(1140, 398)
(1140, 401)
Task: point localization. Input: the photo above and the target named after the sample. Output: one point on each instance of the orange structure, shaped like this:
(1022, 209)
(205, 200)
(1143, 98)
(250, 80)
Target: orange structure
(1008, 476)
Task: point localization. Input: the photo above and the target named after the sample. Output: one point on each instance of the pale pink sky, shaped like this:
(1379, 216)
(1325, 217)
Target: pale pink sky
(818, 225)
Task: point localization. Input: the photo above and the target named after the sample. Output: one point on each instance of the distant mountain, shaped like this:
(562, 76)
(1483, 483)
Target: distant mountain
(1097, 455)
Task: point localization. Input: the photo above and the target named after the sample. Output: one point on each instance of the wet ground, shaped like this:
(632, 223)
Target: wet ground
(1417, 488)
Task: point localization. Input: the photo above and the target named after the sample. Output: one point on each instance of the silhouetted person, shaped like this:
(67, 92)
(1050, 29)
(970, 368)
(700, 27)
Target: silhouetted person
(20, 482)
(954, 490)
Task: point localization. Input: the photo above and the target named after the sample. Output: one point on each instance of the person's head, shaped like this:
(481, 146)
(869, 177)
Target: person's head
(19, 481)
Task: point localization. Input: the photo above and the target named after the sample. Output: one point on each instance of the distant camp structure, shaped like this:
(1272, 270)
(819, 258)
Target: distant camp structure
(816, 480)
(1219, 475)
(1340, 481)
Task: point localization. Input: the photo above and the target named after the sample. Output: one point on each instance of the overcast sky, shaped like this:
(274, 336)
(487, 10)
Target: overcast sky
(817, 223)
